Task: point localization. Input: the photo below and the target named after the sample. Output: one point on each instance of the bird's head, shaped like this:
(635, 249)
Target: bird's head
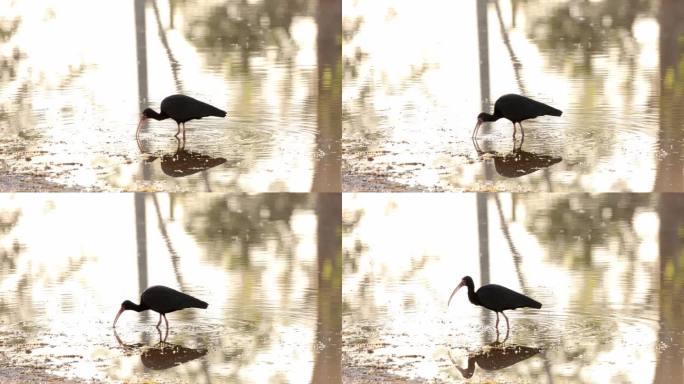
(465, 281)
(148, 113)
(126, 305)
(482, 117)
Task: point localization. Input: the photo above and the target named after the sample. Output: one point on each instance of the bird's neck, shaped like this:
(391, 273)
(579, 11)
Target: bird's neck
(472, 296)
(158, 116)
(140, 307)
(488, 117)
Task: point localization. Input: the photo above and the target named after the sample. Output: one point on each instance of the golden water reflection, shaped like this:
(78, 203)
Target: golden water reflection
(604, 267)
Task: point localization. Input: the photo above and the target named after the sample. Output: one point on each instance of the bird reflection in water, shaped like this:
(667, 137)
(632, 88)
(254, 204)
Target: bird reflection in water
(162, 355)
(183, 162)
(495, 356)
(518, 162)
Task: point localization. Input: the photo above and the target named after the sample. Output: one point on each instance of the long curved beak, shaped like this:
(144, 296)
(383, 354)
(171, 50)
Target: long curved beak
(117, 316)
(477, 126)
(140, 125)
(454, 292)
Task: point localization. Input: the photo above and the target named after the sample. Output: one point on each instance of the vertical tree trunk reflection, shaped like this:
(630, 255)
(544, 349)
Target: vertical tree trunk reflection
(669, 365)
(141, 55)
(671, 134)
(483, 49)
(327, 177)
(141, 242)
(327, 360)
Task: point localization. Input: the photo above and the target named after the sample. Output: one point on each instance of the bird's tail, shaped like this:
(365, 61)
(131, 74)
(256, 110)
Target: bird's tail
(553, 111)
(217, 112)
(534, 304)
(197, 303)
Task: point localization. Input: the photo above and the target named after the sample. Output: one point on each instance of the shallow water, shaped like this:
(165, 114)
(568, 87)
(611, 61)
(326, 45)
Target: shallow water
(410, 104)
(74, 87)
(605, 267)
(70, 260)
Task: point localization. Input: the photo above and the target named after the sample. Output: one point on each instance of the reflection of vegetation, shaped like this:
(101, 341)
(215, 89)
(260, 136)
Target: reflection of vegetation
(670, 364)
(587, 27)
(231, 226)
(330, 72)
(671, 97)
(8, 219)
(580, 224)
(232, 230)
(249, 26)
(327, 361)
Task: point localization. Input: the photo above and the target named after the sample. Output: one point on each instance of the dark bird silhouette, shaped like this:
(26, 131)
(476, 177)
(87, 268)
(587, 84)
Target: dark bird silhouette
(518, 162)
(185, 163)
(162, 355)
(163, 300)
(516, 108)
(181, 109)
(166, 355)
(494, 357)
(496, 298)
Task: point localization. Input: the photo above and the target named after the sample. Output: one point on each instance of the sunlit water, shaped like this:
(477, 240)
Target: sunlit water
(70, 260)
(604, 267)
(73, 87)
(411, 102)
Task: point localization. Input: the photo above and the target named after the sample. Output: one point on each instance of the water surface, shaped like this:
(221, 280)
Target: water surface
(69, 260)
(75, 77)
(411, 101)
(605, 267)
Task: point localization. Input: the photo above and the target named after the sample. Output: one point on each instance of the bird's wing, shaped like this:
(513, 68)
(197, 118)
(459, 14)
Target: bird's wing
(164, 299)
(499, 298)
(518, 108)
(183, 108)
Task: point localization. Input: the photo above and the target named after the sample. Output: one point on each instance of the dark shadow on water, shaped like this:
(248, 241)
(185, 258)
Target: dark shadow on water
(518, 162)
(183, 162)
(495, 356)
(162, 355)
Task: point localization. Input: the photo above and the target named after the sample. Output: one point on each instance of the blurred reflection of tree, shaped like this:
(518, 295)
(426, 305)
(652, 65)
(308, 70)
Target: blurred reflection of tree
(577, 33)
(230, 225)
(327, 365)
(10, 118)
(233, 227)
(670, 356)
(578, 30)
(579, 224)
(671, 134)
(8, 219)
(249, 26)
(329, 107)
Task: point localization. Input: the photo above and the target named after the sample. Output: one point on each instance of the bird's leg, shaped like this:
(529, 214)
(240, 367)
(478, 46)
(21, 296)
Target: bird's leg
(159, 322)
(505, 338)
(166, 334)
(183, 134)
(178, 131)
(515, 130)
(497, 322)
(505, 317)
(522, 131)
